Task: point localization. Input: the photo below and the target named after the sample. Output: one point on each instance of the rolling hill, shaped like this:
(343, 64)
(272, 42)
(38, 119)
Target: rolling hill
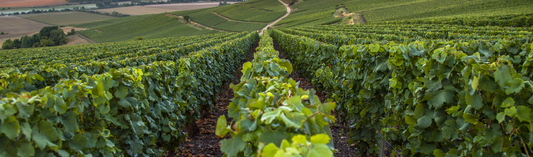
(255, 14)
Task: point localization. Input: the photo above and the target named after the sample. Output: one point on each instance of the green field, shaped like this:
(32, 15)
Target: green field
(147, 26)
(256, 11)
(314, 12)
(66, 18)
(237, 26)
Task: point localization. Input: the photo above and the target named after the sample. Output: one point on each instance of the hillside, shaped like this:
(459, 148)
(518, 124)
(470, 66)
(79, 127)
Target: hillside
(316, 12)
(244, 16)
(147, 26)
(256, 14)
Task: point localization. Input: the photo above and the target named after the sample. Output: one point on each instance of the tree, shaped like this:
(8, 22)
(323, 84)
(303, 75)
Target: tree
(16, 44)
(107, 2)
(187, 18)
(46, 42)
(72, 32)
(26, 42)
(45, 31)
(100, 5)
(8, 44)
(57, 37)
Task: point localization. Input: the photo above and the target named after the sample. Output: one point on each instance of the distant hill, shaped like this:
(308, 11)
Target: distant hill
(316, 12)
(256, 14)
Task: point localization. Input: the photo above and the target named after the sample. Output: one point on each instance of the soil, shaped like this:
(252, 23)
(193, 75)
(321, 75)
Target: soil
(76, 39)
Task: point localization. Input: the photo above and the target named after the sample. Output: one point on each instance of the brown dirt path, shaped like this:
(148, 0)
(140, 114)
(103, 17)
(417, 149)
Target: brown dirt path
(279, 19)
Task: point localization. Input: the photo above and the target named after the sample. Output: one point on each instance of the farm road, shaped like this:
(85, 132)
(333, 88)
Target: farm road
(281, 18)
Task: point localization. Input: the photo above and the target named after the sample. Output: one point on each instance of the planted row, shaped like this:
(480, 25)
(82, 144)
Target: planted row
(427, 98)
(132, 111)
(271, 115)
(94, 52)
(38, 77)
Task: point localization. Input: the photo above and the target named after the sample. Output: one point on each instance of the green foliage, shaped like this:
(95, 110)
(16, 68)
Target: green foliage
(512, 20)
(318, 12)
(239, 26)
(145, 51)
(301, 146)
(269, 108)
(441, 97)
(138, 38)
(187, 18)
(129, 111)
(147, 26)
(72, 32)
(8, 44)
(16, 43)
(254, 11)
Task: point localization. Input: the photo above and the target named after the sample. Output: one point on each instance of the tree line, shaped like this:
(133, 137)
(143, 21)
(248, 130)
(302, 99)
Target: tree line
(48, 36)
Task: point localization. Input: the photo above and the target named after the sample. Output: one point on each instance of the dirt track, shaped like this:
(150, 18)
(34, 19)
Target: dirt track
(281, 18)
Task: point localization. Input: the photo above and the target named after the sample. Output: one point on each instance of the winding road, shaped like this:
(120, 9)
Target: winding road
(279, 19)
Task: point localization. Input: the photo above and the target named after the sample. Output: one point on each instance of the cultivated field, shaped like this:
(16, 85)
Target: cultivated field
(136, 10)
(16, 26)
(159, 8)
(30, 3)
(127, 28)
(76, 40)
(66, 18)
(185, 6)
(72, 40)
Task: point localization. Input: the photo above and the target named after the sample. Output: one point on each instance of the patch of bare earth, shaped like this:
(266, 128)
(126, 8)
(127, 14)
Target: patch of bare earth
(76, 39)
(17, 26)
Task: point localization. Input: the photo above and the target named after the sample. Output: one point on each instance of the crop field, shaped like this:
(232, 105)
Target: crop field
(66, 18)
(16, 26)
(254, 11)
(384, 10)
(160, 8)
(135, 10)
(76, 40)
(127, 29)
(185, 6)
(30, 3)
(403, 84)
(237, 26)
(146, 63)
